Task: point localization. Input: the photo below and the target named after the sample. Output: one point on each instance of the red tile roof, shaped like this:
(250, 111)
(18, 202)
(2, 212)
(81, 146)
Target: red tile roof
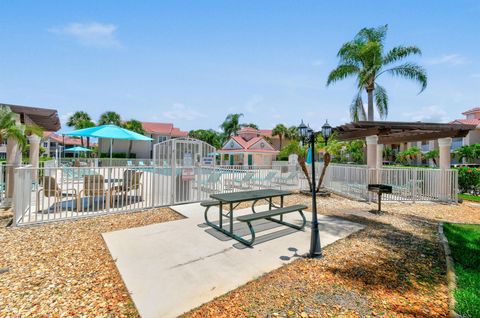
(163, 129)
(69, 141)
(466, 121)
(265, 132)
(471, 111)
(247, 144)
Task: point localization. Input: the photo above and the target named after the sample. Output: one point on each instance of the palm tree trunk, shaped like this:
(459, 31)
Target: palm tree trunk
(301, 162)
(81, 141)
(326, 161)
(130, 148)
(370, 103)
(280, 137)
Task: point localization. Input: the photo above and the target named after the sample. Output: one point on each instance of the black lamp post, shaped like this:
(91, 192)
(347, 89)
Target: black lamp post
(308, 135)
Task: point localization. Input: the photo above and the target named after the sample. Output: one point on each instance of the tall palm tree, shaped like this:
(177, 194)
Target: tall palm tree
(364, 58)
(231, 124)
(110, 118)
(292, 133)
(80, 120)
(135, 126)
(281, 131)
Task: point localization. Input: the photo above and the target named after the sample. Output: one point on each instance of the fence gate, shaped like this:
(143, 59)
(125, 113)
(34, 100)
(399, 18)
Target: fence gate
(179, 164)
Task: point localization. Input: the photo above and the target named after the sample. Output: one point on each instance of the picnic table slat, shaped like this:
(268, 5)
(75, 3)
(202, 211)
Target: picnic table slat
(249, 195)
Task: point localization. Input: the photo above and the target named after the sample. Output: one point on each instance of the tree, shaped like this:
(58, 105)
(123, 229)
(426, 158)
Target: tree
(110, 118)
(231, 124)
(10, 129)
(364, 58)
(80, 120)
(280, 130)
(292, 133)
(135, 126)
(209, 136)
(409, 154)
(294, 147)
(251, 125)
(432, 154)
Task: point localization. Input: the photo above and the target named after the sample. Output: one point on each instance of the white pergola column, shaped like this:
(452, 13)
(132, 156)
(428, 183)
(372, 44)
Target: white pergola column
(444, 145)
(380, 156)
(372, 145)
(14, 157)
(34, 153)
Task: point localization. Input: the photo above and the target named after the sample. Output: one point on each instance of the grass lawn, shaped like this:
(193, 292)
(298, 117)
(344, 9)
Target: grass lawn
(464, 241)
(471, 197)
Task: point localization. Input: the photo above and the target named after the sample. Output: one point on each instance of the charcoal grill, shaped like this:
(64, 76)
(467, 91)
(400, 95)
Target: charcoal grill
(379, 189)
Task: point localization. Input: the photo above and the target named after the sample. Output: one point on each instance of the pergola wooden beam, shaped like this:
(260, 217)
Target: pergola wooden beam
(397, 132)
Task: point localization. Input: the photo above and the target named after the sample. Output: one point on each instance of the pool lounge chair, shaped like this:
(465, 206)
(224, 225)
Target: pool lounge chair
(289, 179)
(131, 182)
(141, 164)
(129, 163)
(50, 188)
(209, 184)
(265, 181)
(93, 187)
(242, 183)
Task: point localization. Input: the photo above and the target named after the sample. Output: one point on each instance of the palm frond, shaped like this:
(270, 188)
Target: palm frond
(400, 52)
(410, 71)
(34, 130)
(342, 72)
(350, 53)
(381, 100)
(377, 34)
(357, 112)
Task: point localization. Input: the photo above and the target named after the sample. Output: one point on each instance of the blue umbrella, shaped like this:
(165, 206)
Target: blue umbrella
(108, 131)
(76, 149)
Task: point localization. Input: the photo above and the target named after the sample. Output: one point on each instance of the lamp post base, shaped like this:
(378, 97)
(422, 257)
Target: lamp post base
(315, 247)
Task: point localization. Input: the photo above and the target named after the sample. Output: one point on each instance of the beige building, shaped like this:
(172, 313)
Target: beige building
(144, 149)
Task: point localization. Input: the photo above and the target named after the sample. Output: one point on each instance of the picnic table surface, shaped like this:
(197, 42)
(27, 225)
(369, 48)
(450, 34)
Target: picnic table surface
(249, 195)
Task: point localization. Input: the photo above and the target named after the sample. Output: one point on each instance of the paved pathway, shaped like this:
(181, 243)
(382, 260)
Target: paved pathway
(170, 268)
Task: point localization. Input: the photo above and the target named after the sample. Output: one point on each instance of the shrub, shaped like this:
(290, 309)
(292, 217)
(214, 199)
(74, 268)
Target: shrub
(469, 180)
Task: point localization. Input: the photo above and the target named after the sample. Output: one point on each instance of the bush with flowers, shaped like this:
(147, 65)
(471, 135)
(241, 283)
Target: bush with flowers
(469, 180)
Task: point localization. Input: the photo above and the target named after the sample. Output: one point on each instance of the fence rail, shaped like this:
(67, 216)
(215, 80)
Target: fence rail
(52, 193)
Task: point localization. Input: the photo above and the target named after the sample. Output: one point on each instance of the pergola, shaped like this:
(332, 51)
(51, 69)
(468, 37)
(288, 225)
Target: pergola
(45, 118)
(379, 133)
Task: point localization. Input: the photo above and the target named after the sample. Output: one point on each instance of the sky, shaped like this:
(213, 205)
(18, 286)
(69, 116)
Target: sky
(193, 62)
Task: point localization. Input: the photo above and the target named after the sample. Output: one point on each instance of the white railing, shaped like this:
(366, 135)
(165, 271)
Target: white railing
(49, 194)
(60, 193)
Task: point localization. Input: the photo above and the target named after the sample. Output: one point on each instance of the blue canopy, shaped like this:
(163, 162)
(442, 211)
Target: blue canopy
(108, 131)
(77, 149)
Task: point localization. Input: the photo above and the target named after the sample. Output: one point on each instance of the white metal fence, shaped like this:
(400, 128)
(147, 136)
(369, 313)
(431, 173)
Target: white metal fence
(48, 194)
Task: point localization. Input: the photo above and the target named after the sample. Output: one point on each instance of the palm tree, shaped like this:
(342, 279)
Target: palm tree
(135, 126)
(364, 58)
(9, 129)
(110, 118)
(231, 124)
(251, 125)
(280, 130)
(292, 133)
(80, 120)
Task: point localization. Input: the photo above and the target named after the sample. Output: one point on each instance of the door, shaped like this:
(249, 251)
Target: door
(231, 160)
(250, 160)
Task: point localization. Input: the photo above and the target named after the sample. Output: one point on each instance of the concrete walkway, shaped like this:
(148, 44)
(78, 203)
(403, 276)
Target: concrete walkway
(171, 268)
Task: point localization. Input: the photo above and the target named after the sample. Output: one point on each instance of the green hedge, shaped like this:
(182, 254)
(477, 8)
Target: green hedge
(469, 180)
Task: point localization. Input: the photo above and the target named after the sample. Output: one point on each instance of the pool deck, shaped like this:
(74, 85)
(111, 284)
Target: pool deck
(171, 268)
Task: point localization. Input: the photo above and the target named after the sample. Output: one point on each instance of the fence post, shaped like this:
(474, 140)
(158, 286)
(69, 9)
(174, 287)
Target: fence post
(414, 187)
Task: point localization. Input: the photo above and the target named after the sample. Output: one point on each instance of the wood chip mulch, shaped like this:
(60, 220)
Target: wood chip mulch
(65, 269)
(393, 268)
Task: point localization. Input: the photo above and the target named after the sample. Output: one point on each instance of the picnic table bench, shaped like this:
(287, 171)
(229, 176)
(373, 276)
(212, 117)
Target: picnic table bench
(232, 200)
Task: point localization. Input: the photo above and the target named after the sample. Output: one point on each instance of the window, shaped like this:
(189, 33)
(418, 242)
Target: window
(162, 138)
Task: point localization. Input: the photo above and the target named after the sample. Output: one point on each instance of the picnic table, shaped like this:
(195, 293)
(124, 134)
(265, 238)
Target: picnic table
(233, 199)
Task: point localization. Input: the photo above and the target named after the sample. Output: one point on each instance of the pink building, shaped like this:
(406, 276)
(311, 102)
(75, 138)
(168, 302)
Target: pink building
(247, 149)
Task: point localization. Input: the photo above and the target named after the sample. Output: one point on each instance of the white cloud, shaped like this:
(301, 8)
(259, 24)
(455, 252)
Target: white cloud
(451, 59)
(93, 34)
(181, 112)
(433, 113)
(64, 118)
